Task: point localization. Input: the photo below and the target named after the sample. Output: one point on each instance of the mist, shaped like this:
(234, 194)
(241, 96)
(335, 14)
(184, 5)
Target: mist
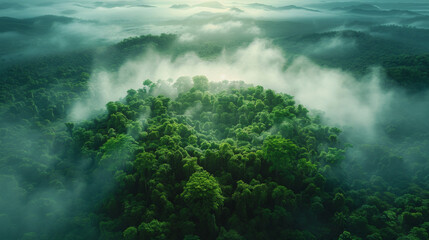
(82, 25)
(259, 63)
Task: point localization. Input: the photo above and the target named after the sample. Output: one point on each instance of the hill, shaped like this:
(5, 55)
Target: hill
(223, 160)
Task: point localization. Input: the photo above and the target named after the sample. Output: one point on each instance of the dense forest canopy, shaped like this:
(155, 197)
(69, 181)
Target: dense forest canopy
(214, 120)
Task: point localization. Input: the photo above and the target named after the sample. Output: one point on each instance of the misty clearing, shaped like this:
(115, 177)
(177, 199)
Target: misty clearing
(220, 120)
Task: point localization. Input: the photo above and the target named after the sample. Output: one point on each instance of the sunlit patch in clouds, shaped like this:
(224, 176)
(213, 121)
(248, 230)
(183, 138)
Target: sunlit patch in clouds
(187, 37)
(222, 27)
(238, 28)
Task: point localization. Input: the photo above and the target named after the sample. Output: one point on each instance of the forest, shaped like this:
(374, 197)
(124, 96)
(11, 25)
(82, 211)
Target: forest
(216, 135)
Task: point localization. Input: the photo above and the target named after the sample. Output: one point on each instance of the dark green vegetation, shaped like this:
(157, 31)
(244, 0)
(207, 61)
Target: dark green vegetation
(221, 161)
(399, 50)
(29, 37)
(31, 25)
(409, 71)
(242, 161)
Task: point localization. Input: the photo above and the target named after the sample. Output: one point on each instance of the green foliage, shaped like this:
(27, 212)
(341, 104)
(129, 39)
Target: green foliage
(405, 59)
(116, 152)
(220, 161)
(130, 233)
(154, 230)
(408, 71)
(345, 236)
(202, 193)
(221, 167)
(201, 83)
(281, 153)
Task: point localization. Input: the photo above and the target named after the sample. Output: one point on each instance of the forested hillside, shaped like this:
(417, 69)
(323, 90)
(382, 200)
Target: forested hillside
(194, 158)
(211, 163)
(405, 64)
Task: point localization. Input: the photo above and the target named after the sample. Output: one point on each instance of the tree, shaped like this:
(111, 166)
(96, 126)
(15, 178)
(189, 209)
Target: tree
(229, 235)
(284, 197)
(345, 236)
(183, 84)
(116, 152)
(118, 121)
(202, 193)
(282, 154)
(201, 83)
(130, 233)
(69, 127)
(338, 201)
(154, 230)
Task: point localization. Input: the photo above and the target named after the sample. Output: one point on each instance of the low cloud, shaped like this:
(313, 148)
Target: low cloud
(344, 99)
(187, 37)
(57, 36)
(333, 47)
(221, 27)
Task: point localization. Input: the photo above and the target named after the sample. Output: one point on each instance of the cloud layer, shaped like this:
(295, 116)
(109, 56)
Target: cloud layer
(344, 99)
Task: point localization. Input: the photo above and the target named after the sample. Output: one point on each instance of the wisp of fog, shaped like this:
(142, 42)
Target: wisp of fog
(342, 98)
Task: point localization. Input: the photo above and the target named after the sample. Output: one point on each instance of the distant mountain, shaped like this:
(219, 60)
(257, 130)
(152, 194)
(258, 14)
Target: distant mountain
(180, 6)
(69, 12)
(369, 9)
(29, 25)
(203, 15)
(215, 5)
(384, 13)
(234, 9)
(9, 5)
(211, 5)
(261, 6)
(273, 8)
(111, 5)
(366, 7)
(422, 18)
(293, 7)
(145, 6)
